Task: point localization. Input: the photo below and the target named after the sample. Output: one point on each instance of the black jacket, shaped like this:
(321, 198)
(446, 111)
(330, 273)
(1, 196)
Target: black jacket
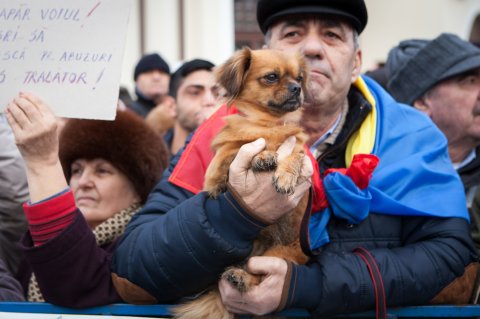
(142, 105)
(470, 174)
(10, 288)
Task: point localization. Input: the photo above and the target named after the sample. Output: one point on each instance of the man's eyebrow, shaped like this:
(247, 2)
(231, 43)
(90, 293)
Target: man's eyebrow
(196, 86)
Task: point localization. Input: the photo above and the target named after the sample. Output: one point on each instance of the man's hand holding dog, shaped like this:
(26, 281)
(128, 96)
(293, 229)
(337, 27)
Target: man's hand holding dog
(264, 202)
(256, 189)
(262, 299)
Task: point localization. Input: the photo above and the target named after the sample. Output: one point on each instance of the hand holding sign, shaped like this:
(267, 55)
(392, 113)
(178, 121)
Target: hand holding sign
(35, 129)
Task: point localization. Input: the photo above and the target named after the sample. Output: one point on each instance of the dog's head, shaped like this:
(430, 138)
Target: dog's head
(273, 79)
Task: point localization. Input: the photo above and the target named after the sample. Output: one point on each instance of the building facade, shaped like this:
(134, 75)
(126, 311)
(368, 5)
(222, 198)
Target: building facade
(212, 29)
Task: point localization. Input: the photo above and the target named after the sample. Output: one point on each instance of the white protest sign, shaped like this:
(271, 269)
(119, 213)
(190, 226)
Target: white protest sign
(67, 52)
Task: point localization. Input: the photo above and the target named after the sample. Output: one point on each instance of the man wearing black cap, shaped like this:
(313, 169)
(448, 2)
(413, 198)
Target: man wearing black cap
(397, 241)
(151, 75)
(441, 77)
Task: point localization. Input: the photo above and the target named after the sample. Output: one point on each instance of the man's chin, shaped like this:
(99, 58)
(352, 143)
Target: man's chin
(190, 127)
(155, 96)
(313, 97)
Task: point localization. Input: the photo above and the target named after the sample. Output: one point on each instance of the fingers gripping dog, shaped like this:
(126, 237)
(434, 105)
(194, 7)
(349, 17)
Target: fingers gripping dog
(266, 87)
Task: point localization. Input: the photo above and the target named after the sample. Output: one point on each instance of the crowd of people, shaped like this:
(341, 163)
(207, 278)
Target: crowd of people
(121, 203)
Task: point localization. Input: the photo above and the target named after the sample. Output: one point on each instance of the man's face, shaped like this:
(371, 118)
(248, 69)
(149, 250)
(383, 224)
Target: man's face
(454, 106)
(329, 48)
(153, 84)
(197, 99)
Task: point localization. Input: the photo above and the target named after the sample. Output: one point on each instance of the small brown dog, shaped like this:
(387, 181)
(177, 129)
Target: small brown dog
(266, 87)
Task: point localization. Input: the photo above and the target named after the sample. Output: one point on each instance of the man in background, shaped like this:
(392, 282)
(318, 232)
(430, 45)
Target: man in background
(152, 77)
(195, 92)
(441, 78)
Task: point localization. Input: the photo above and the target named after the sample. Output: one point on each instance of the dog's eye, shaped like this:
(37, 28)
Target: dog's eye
(300, 78)
(271, 78)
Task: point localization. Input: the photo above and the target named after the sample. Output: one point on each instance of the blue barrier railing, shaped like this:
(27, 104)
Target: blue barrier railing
(446, 311)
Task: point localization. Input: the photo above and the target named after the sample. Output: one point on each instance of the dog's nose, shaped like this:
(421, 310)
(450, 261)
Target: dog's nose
(294, 88)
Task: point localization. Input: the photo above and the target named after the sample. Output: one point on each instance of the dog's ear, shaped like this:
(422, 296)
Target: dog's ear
(232, 73)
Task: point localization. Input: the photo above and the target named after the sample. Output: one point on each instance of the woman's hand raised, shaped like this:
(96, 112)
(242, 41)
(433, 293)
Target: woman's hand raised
(35, 128)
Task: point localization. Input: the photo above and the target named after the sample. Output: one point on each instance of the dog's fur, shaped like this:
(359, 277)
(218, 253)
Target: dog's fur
(267, 88)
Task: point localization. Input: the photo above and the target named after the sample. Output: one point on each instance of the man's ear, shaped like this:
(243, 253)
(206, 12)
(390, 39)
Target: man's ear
(357, 66)
(173, 110)
(422, 104)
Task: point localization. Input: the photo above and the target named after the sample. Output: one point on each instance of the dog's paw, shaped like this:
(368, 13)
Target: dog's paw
(265, 161)
(240, 279)
(213, 190)
(285, 183)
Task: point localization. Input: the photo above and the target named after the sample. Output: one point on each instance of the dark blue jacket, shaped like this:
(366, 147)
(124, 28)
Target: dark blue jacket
(179, 244)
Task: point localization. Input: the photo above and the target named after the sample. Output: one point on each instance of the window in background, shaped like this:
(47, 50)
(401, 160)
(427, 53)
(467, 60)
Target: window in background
(247, 32)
